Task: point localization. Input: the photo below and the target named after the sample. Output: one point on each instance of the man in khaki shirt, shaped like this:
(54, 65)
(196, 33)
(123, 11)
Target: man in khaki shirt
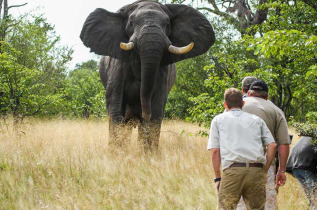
(257, 103)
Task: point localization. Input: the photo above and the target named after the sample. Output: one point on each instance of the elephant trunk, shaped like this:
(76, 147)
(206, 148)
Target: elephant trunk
(151, 45)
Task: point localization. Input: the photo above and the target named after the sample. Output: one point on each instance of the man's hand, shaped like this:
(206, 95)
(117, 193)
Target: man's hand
(280, 179)
(217, 187)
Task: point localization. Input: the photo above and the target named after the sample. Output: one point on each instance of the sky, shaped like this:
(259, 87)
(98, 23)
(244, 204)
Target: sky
(68, 17)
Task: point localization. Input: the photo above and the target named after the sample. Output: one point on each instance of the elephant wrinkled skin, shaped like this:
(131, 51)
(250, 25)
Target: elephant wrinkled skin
(140, 44)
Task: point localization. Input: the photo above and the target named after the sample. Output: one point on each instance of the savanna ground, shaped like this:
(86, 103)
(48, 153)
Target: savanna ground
(64, 164)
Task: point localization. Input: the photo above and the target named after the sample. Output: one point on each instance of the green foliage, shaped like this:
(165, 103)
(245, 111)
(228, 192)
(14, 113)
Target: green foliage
(84, 94)
(4, 167)
(306, 129)
(90, 64)
(21, 94)
(208, 105)
(281, 51)
(33, 76)
(230, 64)
(189, 83)
(288, 51)
(286, 43)
(32, 67)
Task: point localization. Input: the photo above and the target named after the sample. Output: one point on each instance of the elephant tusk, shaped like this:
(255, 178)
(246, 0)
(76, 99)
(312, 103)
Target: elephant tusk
(127, 46)
(181, 50)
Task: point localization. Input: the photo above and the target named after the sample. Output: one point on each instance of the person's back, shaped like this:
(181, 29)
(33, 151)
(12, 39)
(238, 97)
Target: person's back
(236, 129)
(272, 116)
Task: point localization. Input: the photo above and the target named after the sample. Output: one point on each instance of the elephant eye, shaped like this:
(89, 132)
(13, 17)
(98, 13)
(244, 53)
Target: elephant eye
(131, 23)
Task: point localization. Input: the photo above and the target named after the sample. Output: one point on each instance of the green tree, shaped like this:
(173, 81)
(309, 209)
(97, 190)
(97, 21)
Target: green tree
(90, 64)
(189, 83)
(83, 92)
(288, 51)
(273, 40)
(6, 21)
(33, 67)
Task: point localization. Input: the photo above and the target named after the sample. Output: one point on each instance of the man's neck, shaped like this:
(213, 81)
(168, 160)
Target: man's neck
(257, 97)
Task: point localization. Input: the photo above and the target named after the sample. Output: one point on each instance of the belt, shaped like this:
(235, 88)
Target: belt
(259, 165)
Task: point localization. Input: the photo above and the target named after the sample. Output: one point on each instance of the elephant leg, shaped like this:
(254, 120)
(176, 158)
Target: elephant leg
(149, 135)
(143, 135)
(127, 132)
(114, 134)
(155, 130)
(119, 134)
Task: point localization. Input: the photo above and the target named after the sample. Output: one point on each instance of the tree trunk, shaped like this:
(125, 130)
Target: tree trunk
(5, 10)
(1, 1)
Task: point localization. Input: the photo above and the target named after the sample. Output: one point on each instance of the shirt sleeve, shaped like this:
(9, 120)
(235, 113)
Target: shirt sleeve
(266, 137)
(281, 133)
(213, 140)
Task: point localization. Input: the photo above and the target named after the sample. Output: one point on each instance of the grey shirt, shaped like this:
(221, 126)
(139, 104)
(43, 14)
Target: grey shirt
(240, 137)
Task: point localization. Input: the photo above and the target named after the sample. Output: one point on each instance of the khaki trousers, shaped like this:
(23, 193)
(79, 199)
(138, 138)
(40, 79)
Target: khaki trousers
(242, 181)
(271, 201)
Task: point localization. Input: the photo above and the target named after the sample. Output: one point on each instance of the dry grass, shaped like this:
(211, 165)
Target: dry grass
(62, 164)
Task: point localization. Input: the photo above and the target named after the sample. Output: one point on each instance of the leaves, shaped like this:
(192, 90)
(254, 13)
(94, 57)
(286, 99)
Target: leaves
(83, 92)
(306, 129)
(281, 51)
(32, 67)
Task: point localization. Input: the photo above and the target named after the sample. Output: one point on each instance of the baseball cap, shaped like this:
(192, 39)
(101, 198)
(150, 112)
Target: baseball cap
(247, 81)
(259, 85)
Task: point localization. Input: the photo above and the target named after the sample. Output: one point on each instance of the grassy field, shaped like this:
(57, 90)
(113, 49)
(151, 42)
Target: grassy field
(61, 164)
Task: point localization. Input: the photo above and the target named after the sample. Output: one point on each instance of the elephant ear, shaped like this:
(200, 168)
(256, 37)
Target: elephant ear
(102, 33)
(189, 25)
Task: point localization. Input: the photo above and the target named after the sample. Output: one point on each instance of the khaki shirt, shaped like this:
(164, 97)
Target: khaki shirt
(272, 116)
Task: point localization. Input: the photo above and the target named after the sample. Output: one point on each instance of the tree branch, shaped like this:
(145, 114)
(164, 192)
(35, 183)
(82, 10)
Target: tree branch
(260, 15)
(312, 3)
(230, 19)
(213, 3)
(288, 102)
(21, 5)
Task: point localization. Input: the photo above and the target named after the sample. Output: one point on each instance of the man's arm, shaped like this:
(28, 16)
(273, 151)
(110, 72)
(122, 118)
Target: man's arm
(283, 152)
(270, 155)
(216, 162)
(268, 140)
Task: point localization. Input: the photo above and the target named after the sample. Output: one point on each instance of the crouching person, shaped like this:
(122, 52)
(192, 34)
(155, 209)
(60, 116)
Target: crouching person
(236, 142)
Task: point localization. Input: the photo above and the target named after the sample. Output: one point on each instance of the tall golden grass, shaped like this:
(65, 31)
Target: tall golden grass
(65, 164)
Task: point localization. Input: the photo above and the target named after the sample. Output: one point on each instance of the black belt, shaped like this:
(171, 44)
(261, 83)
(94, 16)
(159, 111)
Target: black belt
(259, 165)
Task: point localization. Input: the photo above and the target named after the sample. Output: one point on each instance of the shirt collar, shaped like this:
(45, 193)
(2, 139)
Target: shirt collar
(235, 109)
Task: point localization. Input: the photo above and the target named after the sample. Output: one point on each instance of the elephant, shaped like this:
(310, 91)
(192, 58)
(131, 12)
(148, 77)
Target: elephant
(139, 46)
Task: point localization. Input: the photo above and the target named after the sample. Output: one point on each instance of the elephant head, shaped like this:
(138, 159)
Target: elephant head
(150, 33)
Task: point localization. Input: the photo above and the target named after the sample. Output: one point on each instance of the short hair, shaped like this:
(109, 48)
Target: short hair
(233, 98)
(258, 93)
(246, 82)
